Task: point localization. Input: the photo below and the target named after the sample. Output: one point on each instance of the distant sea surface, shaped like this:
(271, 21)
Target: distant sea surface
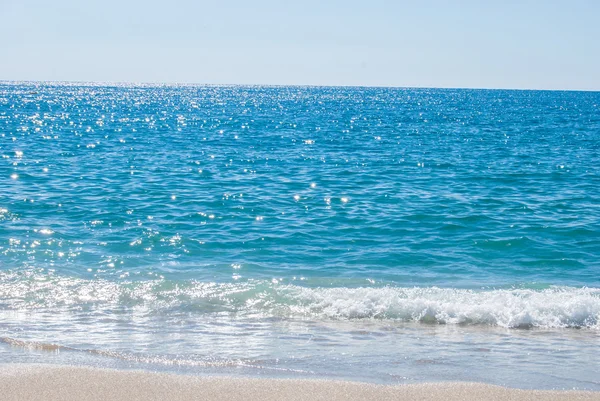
(373, 234)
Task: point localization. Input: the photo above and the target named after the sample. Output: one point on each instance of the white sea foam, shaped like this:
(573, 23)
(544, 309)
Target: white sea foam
(554, 307)
(557, 307)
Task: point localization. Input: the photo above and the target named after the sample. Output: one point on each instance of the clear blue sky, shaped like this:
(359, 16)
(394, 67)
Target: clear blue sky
(552, 44)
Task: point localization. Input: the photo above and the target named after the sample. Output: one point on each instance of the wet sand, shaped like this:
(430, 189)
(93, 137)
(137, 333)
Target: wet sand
(47, 382)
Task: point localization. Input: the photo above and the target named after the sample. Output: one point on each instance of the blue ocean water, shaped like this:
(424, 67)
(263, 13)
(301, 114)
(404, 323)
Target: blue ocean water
(422, 233)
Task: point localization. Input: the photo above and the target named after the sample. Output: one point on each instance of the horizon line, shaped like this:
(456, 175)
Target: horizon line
(141, 83)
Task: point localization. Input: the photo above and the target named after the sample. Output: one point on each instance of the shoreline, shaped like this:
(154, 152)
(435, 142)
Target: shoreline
(55, 382)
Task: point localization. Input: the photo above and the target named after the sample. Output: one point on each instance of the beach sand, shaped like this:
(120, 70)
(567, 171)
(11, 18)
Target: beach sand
(43, 382)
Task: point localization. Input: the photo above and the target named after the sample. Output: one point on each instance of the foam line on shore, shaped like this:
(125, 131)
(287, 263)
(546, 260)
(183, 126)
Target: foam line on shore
(25, 382)
(219, 363)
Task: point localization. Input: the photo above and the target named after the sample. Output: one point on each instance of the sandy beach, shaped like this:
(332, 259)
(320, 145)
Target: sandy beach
(47, 382)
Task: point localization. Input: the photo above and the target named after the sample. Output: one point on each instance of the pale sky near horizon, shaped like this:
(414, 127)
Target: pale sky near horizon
(529, 44)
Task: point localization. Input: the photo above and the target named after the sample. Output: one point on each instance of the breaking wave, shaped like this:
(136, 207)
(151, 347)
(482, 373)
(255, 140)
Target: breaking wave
(551, 307)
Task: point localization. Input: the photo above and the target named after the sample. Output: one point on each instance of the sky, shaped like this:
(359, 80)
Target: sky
(527, 44)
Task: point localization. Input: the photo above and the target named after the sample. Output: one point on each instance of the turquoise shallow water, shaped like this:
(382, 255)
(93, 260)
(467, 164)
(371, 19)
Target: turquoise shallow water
(289, 229)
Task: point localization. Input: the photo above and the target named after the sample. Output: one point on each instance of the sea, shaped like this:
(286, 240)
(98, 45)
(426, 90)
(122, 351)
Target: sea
(384, 235)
